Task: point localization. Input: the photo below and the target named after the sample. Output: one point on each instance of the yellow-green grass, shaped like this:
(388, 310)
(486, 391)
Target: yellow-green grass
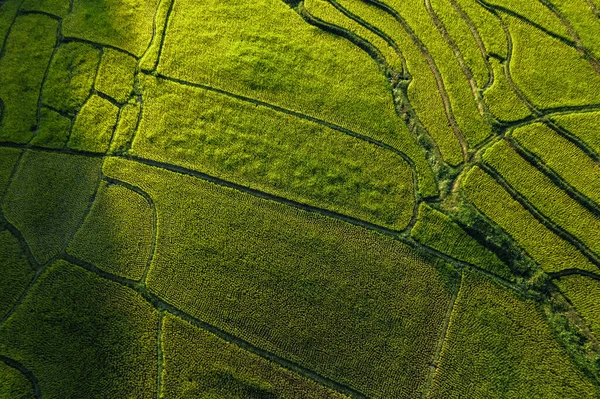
(352, 305)
(200, 364)
(126, 24)
(59, 8)
(14, 384)
(534, 11)
(500, 346)
(94, 126)
(464, 107)
(263, 49)
(126, 127)
(54, 129)
(117, 234)
(71, 76)
(16, 272)
(423, 92)
(546, 197)
(502, 101)
(275, 56)
(325, 11)
(8, 159)
(547, 249)
(548, 72)
(488, 26)
(460, 32)
(268, 150)
(583, 293)
(585, 24)
(116, 75)
(22, 67)
(438, 231)
(565, 158)
(149, 59)
(84, 337)
(48, 198)
(585, 126)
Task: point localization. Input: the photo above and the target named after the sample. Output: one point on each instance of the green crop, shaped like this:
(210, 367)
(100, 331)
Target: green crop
(125, 24)
(93, 129)
(501, 99)
(274, 152)
(487, 25)
(117, 234)
(511, 354)
(48, 197)
(438, 231)
(309, 288)
(55, 7)
(116, 75)
(200, 363)
(82, 336)
(583, 293)
(8, 159)
(22, 68)
(71, 76)
(546, 197)
(423, 92)
(574, 166)
(460, 95)
(534, 11)
(583, 126)
(126, 127)
(324, 10)
(277, 57)
(570, 82)
(54, 129)
(585, 24)
(17, 273)
(551, 252)
(460, 32)
(13, 384)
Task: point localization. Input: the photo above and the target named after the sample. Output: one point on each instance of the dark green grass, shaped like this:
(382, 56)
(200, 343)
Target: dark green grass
(54, 130)
(499, 346)
(8, 159)
(55, 7)
(84, 337)
(126, 24)
(48, 199)
(360, 308)
(117, 234)
(16, 272)
(200, 364)
(22, 69)
(13, 384)
(71, 76)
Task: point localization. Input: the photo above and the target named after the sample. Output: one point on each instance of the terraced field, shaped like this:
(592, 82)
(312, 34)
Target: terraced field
(299, 199)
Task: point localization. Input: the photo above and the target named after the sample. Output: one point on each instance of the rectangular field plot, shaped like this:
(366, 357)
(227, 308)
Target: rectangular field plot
(275, 152)
(352, 305)
(500, 346)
